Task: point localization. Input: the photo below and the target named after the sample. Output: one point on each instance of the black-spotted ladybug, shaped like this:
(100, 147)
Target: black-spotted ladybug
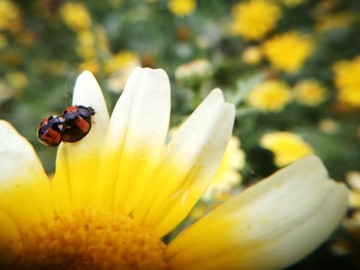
(77, 122)
(72, 125)
(50, 130)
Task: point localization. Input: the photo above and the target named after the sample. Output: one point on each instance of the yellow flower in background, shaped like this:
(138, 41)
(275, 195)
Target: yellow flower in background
(347, 80)
(119, 61)
(310, 92)
(286, 146)
(6, 92)
(17, 79)
(253, 19)
(228, 175)
(86, 49)
(91, 41)
(252, 55)
(288, 52)
(89, 45)
(85, 46)
(119, 67)
(9, 15)
(102, 43)
(182, 8)
(353, 179)
(269, 96)
(76, 16)
(119, 190)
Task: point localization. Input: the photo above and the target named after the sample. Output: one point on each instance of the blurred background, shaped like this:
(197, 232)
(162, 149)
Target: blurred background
(291, 67)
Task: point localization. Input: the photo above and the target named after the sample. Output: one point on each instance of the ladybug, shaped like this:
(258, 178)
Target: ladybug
(77, 122)
(72, 125)
(50, 130)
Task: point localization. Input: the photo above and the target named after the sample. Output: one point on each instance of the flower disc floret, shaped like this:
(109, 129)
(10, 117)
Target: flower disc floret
(92, 240)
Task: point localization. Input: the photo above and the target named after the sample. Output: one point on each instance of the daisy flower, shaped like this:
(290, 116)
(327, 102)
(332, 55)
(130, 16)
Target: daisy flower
(119, 190)
(347, 81)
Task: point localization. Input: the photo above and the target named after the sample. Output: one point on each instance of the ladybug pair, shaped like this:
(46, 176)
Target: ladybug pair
(71, 125)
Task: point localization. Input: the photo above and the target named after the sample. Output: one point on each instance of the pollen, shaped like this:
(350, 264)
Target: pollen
(92, 240)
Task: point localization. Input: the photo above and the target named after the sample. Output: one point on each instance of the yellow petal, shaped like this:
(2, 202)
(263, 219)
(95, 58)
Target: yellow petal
(135, 138)
(9, 240)
(77, 164)
(9, 233)
(187, 165)
(24, 187)
(268, 226)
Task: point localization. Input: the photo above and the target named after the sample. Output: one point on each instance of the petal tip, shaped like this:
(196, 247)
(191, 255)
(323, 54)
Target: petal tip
(86, 73)
(217, 92)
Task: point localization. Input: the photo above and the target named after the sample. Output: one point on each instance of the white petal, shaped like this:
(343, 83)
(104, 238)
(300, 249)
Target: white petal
(24, 187)
(268, 226)
(136, 136)
(189, 162)
(143, 107)
(87, 92)
(77, 163)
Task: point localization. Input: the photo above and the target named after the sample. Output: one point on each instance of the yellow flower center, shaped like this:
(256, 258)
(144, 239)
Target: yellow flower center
(92, 240)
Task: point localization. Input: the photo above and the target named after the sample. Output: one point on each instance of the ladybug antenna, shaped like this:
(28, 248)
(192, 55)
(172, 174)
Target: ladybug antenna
(66, 92)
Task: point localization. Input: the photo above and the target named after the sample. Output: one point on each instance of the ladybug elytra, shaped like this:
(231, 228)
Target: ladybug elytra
(72, 125)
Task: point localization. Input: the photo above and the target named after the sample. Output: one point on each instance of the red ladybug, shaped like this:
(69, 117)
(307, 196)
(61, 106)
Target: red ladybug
(50, 130)
(77, 122)
(72, 125)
